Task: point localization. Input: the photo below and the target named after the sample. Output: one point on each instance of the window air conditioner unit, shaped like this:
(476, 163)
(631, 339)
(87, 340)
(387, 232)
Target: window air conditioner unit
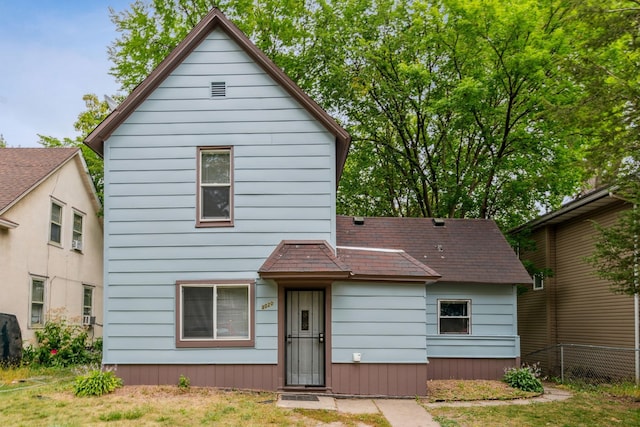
(76, 245)
(88, 320)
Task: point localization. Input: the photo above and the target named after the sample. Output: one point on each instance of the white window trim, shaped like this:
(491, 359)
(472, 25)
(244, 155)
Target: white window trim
(468, 316)
(214, 308)
(61, 224)
(43, 279)
(538, 281)
(73, 230)
(91, 288)
(213, 222)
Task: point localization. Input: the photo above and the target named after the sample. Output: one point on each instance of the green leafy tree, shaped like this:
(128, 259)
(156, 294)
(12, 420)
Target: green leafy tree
(454, 106)
(3, 142)
(87, 120)
(607, 53)
(617, 248)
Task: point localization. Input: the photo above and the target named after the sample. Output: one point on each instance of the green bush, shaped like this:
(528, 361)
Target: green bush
(525, 378)
(62, 344)
(96, 383)
(184, 382)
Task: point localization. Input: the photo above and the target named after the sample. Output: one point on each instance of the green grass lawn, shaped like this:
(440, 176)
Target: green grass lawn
(45, 398)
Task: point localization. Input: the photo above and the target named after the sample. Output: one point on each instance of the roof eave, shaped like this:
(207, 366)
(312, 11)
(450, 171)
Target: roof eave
(95, 140)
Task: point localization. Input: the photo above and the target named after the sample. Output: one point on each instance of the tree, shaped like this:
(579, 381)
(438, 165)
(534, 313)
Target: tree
(615, 257)
(607, 45)
(453, 105)
(87, 120)
(3, 142)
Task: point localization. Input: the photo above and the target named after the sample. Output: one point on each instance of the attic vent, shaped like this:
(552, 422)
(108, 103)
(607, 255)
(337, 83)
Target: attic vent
(218, 89)
(358, 220)
(438, 222)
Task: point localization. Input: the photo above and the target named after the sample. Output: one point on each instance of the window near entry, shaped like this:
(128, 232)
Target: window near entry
(36, 309)
(215, 314)
(215, 195)
(55, 229)
(76, 242)
(454, 317)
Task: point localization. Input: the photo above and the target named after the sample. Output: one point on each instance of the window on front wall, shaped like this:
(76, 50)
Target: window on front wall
(36, 309)
(76, 242)
(55, 229)
(215, 314)
(454, 316)
(215, 192)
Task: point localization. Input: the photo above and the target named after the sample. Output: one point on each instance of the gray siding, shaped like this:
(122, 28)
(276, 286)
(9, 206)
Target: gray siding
(383, 322)
(284, 188)
(493, 322)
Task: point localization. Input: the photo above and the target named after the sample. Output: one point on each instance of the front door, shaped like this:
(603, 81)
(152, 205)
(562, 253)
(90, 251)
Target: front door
(305, 338)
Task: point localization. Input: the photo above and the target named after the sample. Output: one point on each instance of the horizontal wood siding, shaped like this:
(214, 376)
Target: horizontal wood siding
(588, 312)
(493, 322)
(248, 377)
(533, 305)
(284, 188)
(469, 369)
(382, 322)
(380, 379)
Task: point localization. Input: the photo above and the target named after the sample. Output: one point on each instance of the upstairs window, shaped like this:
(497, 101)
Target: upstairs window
(36, 309)
(215, 192)
(55, 229)
(454, 317)
(76, 242)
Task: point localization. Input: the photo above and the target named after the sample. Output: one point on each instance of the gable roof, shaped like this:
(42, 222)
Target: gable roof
(584, 204)
(310, 259)
(462, 250)
(216, 19)
(23, 169)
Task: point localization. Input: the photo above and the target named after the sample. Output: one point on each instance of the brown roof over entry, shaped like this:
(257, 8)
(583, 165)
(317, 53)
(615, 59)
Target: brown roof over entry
(460, 250)
(317, 260)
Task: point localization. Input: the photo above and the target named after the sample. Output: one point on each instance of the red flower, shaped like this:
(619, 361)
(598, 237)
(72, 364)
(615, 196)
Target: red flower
(54, 352)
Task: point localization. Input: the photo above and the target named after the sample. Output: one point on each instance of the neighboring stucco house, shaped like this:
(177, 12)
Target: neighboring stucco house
(225, 260)
(51, 239)
(572, 305)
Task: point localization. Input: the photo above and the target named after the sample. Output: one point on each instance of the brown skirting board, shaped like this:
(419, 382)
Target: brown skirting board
(371, 379)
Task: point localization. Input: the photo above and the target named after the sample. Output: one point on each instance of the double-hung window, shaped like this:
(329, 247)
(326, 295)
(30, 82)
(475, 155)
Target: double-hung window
(36, 308)
(76, 242)
(215, 314)
(87, 301)
(454, 317)
(215, 189)
(55, 228)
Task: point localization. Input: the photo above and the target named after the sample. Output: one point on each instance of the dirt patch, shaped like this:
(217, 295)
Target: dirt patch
(469, 390)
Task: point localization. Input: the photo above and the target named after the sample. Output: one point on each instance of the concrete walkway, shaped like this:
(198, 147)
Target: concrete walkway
(399, 412)
(407, 412)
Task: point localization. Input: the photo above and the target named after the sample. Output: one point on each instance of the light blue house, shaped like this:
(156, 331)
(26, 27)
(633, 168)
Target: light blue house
(225, 261)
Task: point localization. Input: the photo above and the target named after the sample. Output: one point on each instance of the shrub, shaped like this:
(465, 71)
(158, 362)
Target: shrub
(184, 382)
(96, 383)
(62, 344)
(524, 378)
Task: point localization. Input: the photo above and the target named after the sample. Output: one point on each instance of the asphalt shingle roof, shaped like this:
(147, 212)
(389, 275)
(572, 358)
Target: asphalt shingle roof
(463, 250)
(21, 169)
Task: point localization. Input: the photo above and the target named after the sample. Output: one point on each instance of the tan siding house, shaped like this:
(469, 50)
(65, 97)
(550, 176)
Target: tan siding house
(574, 306)
(50, 239)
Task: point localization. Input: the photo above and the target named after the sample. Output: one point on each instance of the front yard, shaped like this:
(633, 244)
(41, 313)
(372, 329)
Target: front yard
(45, 398)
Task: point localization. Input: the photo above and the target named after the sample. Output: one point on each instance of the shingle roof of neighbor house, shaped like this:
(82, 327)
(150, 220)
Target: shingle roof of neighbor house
(460, 250)
(22, 169)
(216, 19)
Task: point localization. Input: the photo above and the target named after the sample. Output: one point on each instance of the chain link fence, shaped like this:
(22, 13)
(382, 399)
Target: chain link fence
(586, 363)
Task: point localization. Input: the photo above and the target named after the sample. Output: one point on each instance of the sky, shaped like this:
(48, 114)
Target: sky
(52, 52)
